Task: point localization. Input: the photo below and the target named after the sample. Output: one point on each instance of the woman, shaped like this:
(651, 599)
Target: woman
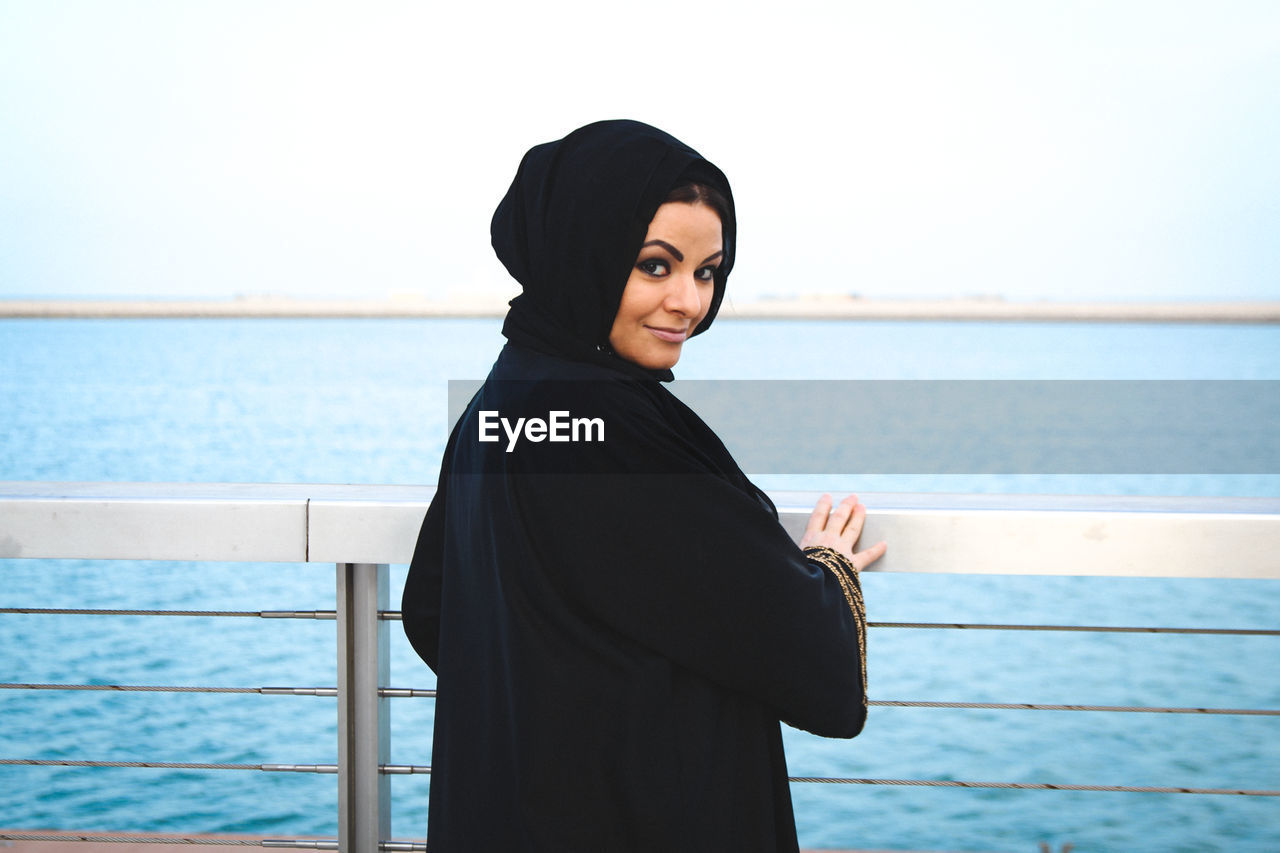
(616, 618)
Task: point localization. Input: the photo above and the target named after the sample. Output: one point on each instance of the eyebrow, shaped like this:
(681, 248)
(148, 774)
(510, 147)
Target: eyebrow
(676, 253)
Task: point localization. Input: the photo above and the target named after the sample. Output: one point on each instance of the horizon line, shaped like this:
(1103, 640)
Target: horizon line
(806, 307)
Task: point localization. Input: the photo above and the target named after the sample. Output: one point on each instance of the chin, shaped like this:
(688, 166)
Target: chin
(652, 360)
(656, 363)
(665, 359)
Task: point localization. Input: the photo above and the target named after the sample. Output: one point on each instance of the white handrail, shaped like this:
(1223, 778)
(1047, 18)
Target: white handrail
(978, 534)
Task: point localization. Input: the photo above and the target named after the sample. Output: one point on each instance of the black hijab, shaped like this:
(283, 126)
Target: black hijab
(569, 230)
(571, 225)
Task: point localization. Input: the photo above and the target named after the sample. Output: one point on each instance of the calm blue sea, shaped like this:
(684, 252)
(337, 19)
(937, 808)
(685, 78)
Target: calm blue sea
(352, 401)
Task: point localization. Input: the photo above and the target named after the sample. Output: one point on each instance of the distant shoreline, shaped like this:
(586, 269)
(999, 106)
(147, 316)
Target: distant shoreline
(809, 308)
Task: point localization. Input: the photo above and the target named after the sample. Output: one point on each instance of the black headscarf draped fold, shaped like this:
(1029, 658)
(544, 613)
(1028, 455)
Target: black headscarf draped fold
(569, 230)
(571, 225)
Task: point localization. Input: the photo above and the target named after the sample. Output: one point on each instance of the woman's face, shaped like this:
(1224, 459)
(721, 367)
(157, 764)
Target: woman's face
(670, 287)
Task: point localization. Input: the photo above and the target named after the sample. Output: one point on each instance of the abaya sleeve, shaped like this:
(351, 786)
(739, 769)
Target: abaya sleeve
(662, 550)
(420, 603)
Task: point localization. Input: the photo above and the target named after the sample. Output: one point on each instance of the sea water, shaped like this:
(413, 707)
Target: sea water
(364, 401)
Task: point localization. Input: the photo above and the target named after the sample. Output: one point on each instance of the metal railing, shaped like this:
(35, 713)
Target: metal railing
(362, 529)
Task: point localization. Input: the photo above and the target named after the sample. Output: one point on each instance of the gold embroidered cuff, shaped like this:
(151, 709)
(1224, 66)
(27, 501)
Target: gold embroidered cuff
(830, 557)
(846, 574)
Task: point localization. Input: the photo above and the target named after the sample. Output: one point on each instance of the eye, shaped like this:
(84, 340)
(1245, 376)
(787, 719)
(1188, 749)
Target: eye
(707, 273)
(653, 267)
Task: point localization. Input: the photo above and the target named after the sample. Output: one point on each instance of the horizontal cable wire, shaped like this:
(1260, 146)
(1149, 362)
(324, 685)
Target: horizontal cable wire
(329, 844)
(1035, 786)
(406, 692)
(1031, 706)
(395, 616)
(1104, 629)
(134, 688)
(389, 769)
(277, 843)
(402, 769)
(132, 839)
(392, 692)
(414, 692)
(84, 611)
(166, 765)
(171, 765)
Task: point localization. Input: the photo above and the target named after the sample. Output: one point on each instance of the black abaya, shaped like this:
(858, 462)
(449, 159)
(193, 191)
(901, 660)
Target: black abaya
(617, 626)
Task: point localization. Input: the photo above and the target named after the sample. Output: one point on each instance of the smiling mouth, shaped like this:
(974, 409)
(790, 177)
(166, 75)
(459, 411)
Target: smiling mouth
(673, 336)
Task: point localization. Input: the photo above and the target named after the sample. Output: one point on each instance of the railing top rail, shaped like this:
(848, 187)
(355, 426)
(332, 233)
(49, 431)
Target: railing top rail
(240, 492)
(19, 490)
(982, 534)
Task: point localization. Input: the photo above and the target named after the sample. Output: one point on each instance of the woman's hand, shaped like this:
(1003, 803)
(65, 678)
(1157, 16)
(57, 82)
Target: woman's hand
(840, 530)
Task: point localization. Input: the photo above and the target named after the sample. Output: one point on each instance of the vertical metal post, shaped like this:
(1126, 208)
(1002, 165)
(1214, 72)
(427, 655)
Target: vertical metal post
(364, 719)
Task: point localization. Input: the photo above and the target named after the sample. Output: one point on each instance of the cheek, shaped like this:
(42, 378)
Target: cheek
(707, 296)
(639, 300)
(627, 308)
(629, 313)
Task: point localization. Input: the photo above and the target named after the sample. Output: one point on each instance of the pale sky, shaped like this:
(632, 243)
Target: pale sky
(1035, 150)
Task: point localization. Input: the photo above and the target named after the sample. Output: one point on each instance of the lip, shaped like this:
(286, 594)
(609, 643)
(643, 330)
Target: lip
(671, 336)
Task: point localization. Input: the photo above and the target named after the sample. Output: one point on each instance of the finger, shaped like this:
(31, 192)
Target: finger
(854, 528)
(817, 520)
(842, 513)
(862, 559)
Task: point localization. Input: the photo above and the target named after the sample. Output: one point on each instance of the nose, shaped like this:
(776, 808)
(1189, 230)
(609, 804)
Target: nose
(682, 296)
